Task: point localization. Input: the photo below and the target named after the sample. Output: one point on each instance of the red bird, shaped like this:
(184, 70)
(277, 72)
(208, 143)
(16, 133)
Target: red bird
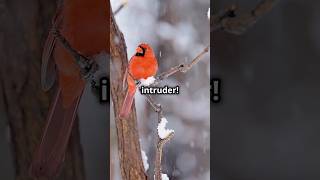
(141, 66)
(84, 24)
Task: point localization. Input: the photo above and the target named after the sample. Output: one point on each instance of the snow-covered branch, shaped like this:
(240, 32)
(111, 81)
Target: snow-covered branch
(163, 134)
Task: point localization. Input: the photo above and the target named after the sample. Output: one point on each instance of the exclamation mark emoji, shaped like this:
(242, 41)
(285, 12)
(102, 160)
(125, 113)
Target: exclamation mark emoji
(104, 91)
(216, 90)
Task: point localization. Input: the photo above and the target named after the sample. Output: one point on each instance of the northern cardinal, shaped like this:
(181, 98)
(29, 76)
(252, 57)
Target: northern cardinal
(84, 24)
(141, 66)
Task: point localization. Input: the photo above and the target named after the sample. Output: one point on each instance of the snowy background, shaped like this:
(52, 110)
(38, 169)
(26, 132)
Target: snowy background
(177, 30)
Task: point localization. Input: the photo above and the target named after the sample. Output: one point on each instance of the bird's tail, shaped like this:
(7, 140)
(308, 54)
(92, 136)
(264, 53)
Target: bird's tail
(51, 151)
(127, 103)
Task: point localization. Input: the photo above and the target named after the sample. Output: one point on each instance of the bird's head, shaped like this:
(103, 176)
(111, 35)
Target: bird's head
(144, 50)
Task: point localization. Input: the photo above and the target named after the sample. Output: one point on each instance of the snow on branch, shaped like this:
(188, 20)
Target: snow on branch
(163, 134)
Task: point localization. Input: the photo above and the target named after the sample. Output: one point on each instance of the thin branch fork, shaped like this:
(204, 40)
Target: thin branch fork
(160, 142)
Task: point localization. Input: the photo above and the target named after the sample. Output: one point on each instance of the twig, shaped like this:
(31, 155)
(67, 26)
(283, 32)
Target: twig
(160, 142)
(180, 68)
(156, 107)
(87, 66)
(233, 22)
(123, 4)
(159, 153)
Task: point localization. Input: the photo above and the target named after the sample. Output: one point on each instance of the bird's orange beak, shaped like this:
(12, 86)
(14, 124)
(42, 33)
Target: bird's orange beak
(139, 50)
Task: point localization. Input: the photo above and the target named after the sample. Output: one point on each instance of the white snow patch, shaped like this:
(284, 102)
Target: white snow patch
(148, 81)
(162, 131)
(164, 177)
(145, 160)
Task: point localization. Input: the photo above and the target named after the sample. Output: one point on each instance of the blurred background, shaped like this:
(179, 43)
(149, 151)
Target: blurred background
(178, 31)
(267, 126)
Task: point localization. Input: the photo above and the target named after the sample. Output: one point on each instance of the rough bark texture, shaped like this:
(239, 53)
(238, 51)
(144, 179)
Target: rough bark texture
(23, 29)
(128, 138)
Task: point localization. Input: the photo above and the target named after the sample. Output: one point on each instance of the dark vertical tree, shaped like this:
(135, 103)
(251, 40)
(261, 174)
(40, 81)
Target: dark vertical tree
(131, 164)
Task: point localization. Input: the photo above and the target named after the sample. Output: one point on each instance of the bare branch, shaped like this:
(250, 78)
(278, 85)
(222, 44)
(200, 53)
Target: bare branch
(155, 107)
(123, 4)
(237, 23)
(180, 68)
(160, 142)
(87, 67)
(159, 155)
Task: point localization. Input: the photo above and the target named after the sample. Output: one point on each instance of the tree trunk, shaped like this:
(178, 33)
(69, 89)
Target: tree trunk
(24, 27)
(128, 137)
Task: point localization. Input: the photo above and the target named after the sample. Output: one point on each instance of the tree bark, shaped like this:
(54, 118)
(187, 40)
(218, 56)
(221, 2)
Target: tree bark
(24, 27)
(128, 137)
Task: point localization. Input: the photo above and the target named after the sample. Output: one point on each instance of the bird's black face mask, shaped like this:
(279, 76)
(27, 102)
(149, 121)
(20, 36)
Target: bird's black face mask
(142, 52)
